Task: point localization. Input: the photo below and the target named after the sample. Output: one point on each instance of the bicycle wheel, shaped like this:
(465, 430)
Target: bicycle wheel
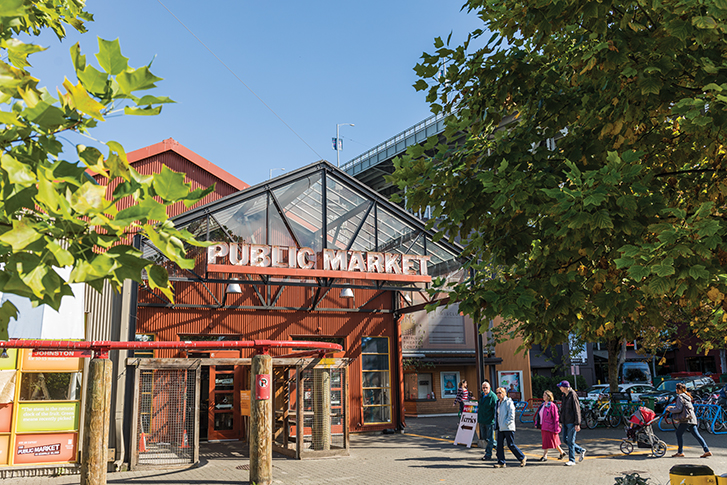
(613, 421)
(591, 419)
(659, 449)
(626, 447)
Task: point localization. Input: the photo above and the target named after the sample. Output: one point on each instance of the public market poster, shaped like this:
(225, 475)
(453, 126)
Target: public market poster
(511, 381)
(450, 381)
(44, 448)
(56, 416)
(467, 424)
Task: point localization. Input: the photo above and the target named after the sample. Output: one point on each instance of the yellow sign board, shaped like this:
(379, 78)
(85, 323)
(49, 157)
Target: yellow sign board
(244, 403)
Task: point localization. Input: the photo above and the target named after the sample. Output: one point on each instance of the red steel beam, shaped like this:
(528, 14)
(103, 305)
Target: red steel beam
(101, 348)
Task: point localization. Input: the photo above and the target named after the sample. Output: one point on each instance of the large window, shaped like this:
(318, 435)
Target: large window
(376, 380)
(418, 386)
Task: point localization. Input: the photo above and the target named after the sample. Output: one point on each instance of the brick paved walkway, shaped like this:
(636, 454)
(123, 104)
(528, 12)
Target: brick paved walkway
(425, 455)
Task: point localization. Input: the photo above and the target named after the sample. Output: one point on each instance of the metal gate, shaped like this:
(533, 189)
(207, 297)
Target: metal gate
(165, 415)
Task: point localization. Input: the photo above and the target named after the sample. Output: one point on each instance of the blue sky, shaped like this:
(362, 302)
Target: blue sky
(314, 64)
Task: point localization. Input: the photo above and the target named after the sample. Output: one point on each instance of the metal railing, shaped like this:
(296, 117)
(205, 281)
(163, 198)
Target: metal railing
(419, 127)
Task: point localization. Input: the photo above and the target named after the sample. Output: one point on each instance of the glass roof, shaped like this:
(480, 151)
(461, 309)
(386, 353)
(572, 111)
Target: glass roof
(297, 208)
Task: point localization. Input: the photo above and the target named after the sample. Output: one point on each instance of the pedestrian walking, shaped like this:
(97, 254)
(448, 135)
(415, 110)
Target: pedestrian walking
(570, 420)
(683, 412)
(547, 419)
(462, 395)
(486, 418)
(505, 422)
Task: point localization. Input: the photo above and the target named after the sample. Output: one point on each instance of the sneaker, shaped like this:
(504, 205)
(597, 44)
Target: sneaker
(706, 454)
(570, 463)
(525, 460)
(677, 455)
(486, 458)
(582, 455)
(498, 465)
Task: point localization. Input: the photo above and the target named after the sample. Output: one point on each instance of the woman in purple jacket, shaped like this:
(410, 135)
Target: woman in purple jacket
(546, 418)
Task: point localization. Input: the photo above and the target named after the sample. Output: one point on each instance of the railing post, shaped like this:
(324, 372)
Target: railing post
(261, 420)
(94, 456)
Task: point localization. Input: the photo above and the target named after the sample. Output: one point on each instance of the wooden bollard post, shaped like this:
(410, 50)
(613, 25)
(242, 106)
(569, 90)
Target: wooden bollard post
(94, 453)
(261, 420)
(322, 409)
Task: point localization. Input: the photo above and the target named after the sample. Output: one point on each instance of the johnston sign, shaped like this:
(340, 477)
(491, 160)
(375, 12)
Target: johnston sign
(304, 262)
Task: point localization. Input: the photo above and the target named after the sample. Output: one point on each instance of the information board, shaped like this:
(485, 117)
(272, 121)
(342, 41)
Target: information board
(467, 424)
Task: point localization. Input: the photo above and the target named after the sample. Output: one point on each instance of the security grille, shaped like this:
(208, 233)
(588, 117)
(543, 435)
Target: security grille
(323, 411)
(166, 417)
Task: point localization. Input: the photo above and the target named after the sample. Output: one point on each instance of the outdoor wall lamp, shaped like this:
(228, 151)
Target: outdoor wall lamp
(4, 354)
(346, 293)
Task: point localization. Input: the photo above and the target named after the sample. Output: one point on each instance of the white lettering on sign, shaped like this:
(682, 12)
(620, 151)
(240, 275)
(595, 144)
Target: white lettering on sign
(265, 256)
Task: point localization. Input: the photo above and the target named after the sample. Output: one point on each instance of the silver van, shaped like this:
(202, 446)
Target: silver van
(635, 373)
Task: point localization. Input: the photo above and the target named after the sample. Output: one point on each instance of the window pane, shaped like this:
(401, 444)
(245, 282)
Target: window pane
(376, 362)
(374, 345)
(375, 379)
(377, 414)
(376, 396)
(45, 386)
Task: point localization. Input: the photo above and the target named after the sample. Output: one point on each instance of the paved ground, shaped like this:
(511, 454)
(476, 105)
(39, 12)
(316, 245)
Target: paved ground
(424, 454)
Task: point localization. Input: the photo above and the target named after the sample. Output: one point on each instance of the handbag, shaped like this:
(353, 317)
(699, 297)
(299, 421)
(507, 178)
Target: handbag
(682, 415)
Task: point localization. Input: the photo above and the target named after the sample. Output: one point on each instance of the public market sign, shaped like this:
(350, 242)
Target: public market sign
(304, 262)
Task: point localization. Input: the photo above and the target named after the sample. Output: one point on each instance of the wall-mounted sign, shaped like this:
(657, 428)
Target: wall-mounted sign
(245, 403)
(45, 448)
(56, 416)
(49, 363)
(304, 262)
(62, 353)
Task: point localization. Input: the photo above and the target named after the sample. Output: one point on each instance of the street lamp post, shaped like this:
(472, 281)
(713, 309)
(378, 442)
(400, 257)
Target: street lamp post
(338, 151)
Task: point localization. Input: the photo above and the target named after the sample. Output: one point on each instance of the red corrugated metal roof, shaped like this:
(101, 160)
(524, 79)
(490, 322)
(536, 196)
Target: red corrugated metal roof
(170, 144)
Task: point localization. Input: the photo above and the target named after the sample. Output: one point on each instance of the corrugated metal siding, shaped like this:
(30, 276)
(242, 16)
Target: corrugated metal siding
(168, 324)
(197, 177)
(102, 313)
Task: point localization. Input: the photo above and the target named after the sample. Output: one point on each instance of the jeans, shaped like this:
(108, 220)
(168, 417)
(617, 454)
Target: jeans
(569, 432)
(503, 436)
(487, 434)
(695, 432)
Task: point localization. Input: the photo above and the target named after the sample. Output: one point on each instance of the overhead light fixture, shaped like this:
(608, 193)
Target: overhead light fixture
(4, 354)
(233, 287)
(346, 293)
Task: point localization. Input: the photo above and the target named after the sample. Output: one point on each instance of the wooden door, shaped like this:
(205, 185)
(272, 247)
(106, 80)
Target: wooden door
(223, 410)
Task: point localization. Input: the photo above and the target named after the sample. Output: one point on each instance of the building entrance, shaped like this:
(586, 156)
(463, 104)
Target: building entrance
(219, 408)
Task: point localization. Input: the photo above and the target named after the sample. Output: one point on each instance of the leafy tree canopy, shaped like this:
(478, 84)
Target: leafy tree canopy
(585, 160)
(52, 213)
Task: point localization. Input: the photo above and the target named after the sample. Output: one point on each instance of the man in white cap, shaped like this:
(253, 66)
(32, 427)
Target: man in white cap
(570, 419)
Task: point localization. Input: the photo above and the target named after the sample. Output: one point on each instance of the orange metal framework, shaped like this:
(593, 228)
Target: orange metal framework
(101, 348)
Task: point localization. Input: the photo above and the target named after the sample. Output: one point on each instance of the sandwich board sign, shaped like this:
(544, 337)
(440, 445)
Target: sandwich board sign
(467, 424)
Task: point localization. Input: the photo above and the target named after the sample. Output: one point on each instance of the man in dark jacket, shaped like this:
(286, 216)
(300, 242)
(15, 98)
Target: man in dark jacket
(486, 418)
(570, 419)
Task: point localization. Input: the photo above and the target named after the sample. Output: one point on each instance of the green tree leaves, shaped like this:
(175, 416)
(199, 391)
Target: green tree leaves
(585, 156)
(52, 213)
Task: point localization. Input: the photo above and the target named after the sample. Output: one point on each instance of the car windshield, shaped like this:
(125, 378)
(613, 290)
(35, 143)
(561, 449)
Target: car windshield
(667, 386)
(595, 389)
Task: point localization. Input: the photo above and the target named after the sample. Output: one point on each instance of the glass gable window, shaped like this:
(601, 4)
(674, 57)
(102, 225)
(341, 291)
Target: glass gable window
(314, 207)
(376, 382)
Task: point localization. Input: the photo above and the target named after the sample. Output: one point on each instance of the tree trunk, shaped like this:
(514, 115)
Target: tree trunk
(614, 358)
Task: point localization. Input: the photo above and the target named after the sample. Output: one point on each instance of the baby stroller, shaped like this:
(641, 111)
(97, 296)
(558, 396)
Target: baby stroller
(640, 432)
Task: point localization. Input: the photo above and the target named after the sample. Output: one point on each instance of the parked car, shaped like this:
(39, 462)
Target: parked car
(636, 391)
(635, 373)
(593, 393)
(666, 391)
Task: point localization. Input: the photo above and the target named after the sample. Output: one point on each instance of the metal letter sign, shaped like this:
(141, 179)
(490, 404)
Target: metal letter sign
(262, 386)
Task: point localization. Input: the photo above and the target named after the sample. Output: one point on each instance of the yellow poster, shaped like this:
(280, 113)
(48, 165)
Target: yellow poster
(244, 403)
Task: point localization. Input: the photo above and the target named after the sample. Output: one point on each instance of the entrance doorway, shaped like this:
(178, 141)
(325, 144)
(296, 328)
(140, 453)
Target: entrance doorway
(219, 407)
